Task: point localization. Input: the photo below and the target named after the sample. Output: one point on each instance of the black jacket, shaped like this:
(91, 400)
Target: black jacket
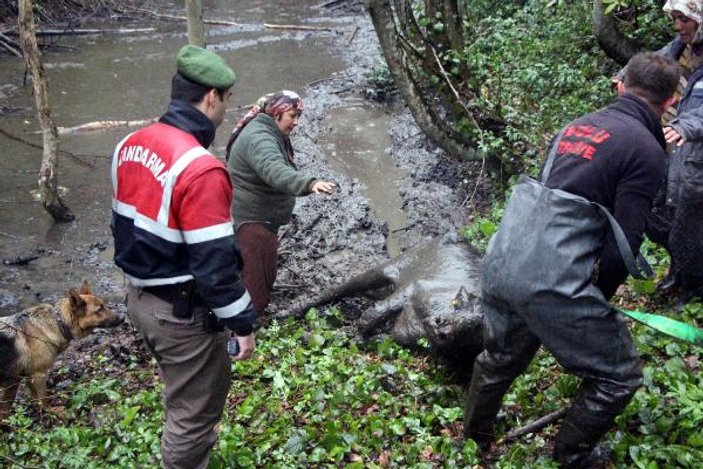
(616, 157)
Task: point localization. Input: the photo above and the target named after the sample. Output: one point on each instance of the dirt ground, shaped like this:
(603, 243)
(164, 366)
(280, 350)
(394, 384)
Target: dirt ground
(333, 238)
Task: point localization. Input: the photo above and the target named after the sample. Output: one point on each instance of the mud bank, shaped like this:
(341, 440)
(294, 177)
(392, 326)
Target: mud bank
(331, 238)
(337, 237)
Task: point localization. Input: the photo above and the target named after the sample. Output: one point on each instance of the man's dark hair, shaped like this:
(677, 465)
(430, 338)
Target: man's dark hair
(652, 76)
(189, 91)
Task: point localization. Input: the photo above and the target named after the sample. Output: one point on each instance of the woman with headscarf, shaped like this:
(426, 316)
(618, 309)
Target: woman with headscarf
(677, 223)
(266, 182)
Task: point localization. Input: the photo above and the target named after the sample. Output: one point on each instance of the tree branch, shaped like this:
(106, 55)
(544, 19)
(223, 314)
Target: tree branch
(385, 26)
(614, 43)
(533, 427)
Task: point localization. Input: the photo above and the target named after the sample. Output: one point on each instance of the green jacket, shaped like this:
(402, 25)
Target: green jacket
(265, 182)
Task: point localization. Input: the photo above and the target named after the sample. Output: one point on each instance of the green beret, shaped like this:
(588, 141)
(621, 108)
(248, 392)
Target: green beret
(204, 67)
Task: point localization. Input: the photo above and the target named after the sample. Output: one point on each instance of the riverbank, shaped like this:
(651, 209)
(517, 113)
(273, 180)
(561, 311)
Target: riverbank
(331, 238)
(337, 237)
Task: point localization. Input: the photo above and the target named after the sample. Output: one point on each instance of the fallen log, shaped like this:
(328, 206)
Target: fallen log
(332, 3)
(301, 27)
(103, 125)
(228, 23)
(179, 18)
(11, 46)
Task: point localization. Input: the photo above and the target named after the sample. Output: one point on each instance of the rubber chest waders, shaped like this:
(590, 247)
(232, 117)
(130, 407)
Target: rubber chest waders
(523, 266)
(548, 244)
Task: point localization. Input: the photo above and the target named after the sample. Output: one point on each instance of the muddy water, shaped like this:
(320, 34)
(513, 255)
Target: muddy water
(125, 77)
(357, 146)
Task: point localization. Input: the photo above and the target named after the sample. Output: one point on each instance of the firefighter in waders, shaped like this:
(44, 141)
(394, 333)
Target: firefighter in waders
(564, 246)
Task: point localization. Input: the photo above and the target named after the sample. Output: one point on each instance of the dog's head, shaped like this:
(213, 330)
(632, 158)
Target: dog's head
(89, 311)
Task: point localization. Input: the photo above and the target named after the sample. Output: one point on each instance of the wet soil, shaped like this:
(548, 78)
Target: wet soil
(334, 238)
(331, 238)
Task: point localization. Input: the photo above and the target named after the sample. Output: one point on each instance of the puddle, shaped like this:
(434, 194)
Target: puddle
(357, 145)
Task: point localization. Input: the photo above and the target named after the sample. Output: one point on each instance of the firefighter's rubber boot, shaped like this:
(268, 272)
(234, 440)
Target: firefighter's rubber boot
(575, 446)
(480, 413)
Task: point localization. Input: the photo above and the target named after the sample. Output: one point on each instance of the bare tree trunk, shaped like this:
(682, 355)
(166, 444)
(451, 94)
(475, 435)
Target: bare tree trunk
(615, 44)
(47, 174)
(453, 19)
(196, 31)
(386, 29)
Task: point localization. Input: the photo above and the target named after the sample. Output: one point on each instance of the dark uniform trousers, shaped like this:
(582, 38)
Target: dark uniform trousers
(195, 370)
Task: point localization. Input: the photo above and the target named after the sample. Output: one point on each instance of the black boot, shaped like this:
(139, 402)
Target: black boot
(494, 371)
(583, 457)
(479, 419)
(691, 288)
(482, 405)
(575, 446)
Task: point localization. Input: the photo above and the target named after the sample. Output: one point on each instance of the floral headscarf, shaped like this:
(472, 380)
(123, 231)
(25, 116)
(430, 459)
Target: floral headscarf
(273, 104)
(278, 103)
(691, 9)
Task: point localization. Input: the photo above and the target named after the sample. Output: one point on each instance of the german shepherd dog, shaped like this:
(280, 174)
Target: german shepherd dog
(31, 340)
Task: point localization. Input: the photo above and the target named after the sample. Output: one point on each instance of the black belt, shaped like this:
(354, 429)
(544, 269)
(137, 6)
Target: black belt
(169, 293)
(162, 292)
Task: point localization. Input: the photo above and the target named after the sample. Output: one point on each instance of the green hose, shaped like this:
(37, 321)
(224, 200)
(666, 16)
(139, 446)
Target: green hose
(668, 326)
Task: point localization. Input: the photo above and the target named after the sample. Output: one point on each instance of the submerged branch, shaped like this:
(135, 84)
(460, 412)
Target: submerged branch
(352, 35)
(75, 156)
(20, 260)
(103, 125)
(177, 18)
(83, 32)
(297, 26)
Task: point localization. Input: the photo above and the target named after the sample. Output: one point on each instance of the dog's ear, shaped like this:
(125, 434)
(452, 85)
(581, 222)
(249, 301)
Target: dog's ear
(85, 288)
(77, 303)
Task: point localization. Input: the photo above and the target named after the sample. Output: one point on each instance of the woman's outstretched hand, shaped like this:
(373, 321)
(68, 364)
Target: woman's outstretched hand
(322, 187)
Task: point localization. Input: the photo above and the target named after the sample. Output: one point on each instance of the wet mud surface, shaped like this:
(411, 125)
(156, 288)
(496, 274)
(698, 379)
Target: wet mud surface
(335, 237)
(330, 239)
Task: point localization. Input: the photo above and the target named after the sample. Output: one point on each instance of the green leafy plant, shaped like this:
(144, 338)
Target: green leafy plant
(315, 395)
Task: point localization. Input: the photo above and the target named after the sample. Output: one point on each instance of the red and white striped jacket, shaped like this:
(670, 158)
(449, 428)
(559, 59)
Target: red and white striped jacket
(171, 217)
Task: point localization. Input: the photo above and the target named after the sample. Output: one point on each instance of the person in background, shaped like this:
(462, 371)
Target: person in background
(175, 243)
(676, 222)
(266, 182)
(538, 284)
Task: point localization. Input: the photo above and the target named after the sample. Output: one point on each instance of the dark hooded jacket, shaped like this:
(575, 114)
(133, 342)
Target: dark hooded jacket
(615, 157)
